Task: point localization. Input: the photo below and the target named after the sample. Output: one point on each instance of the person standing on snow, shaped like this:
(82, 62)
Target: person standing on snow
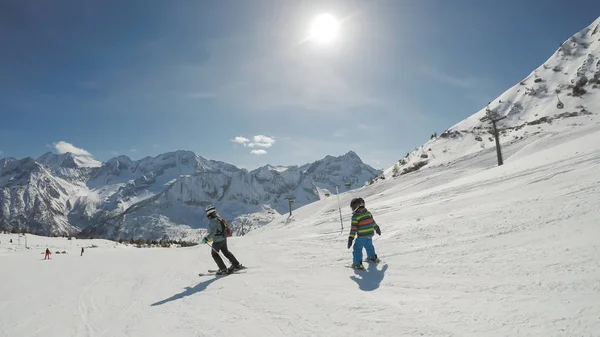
(47, 256)
(218, 233)
(81, 251)
(364, 226)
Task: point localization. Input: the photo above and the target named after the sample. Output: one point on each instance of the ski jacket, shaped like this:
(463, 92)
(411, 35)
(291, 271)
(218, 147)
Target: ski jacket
(363, 224)
(216, 231)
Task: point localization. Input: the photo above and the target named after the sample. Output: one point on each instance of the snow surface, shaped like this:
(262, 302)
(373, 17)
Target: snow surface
(468, 249)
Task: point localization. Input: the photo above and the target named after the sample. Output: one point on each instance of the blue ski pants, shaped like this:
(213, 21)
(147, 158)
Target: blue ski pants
(359, 244)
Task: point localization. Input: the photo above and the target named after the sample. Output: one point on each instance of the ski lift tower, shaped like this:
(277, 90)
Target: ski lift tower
(494, 117)
(290, 202)
(19, 236)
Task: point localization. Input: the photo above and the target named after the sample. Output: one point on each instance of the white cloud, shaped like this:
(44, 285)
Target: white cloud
(240, 140)
(262, 141)
(64, 147)
(258, 152)
(257, 141)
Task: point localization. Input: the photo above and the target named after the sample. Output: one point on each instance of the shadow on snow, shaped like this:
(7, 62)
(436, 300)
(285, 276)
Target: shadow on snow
(370, 278)
(188, 292)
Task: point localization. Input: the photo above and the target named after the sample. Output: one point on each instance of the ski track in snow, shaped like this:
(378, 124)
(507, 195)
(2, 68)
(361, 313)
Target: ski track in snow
(467, 249)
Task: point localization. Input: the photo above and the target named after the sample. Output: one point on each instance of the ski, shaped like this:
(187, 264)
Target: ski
(234, 270)
(214, 272)
(225, 274)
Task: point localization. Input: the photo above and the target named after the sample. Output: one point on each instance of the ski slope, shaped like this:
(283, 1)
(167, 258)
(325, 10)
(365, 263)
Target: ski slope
(468, 249)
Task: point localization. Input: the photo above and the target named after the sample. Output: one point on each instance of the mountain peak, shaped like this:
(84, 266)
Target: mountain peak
(352, 156)
(182, 153)
(67, 160)
(121, 158)
(276, 168)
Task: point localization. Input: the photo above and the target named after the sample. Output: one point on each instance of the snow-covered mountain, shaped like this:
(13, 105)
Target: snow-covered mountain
(32, 197)
(162, 196)
(562, 94)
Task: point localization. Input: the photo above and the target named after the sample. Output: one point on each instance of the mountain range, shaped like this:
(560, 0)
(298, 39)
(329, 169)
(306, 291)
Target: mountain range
(159, 197)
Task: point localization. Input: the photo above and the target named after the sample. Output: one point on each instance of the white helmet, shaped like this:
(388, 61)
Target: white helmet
(211, 211)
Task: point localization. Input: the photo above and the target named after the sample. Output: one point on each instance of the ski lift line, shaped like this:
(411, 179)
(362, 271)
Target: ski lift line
(547, 99)
(559, 105)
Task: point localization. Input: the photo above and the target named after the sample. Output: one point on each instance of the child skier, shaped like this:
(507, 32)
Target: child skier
(218, 235)
(47, 255)
(364, 225)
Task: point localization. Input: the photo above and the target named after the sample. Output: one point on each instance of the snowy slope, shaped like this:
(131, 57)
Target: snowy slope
(468, 250)
(24, 242)
(570, 76)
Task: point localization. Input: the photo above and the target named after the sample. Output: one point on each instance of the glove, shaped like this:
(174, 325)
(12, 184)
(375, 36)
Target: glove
(205, 240)
(350, 239)
(377, 230)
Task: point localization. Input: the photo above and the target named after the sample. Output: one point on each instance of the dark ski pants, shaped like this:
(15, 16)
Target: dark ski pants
(222, 246)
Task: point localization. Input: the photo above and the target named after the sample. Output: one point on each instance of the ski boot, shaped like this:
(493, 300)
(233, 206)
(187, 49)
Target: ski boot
(238, 267)
(357, 266)
(233, 268)
(223, 271)
(373, 259)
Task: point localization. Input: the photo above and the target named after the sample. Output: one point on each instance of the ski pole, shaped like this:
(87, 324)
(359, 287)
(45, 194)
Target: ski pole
(339, 207)
(211, 247)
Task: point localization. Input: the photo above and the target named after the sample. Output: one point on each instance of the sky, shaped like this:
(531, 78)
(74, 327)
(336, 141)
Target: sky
(238, 81)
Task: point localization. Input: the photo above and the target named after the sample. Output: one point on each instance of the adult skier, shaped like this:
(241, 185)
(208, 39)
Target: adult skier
(218, 233)
(47, 255)
(364, 226)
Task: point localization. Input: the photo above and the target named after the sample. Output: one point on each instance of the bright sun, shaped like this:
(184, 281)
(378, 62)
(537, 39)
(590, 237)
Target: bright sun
(324, 28)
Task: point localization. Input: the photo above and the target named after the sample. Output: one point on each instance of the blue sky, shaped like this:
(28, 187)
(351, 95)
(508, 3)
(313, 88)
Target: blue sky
(144, 77)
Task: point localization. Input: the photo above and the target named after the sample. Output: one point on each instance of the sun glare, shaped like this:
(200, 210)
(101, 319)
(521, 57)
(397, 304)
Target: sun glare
(324, 28)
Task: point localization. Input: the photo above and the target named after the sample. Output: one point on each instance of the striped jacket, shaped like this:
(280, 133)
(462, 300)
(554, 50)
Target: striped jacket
(363, 224)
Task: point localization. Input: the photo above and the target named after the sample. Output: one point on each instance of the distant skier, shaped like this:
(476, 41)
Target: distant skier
(47, 256)
(218, 233)
(364, 225)
(81, 251)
